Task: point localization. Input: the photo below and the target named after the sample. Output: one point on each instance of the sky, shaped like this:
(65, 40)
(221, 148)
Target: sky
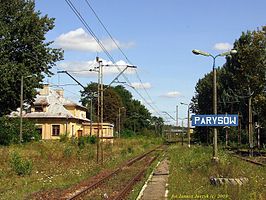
(156, 36)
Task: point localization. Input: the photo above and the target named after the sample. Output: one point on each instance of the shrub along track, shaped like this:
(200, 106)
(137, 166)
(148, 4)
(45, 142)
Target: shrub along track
(114, 184)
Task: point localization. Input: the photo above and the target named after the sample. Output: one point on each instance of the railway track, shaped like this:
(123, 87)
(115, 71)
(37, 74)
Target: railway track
(248, 159)
(81, 193)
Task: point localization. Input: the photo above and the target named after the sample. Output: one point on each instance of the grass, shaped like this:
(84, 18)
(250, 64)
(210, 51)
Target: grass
(58, 165)
(191, 169)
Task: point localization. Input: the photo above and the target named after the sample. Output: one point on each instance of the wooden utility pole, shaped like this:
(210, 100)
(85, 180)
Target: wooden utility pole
(188, 125)
(250, 128)
(239, 129)
(259, 136)
(21, 109)
(226, 136)
(182, 132)
(176, 116)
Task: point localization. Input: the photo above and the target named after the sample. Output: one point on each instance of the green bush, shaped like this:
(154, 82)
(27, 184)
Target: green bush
(9, 131)
(130, 150)
(92, 139)
(20, 166)
(86, 140)
(127, 133)
(91, 154)
(68, 152)
(64, 137)
(81, 142)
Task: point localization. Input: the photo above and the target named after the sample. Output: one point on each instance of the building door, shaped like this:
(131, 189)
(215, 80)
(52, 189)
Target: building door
(79, 133)
(39, 130)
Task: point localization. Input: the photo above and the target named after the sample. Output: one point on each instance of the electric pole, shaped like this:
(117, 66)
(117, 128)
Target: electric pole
(101, 89)
(239, 129)
(119, 122)
(91, 115)
(98, 112)
(188, 126)
(250, 129)
(176, 116)
(21, 108)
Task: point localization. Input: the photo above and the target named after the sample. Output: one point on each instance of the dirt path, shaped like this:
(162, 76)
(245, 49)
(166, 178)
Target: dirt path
(156, 188)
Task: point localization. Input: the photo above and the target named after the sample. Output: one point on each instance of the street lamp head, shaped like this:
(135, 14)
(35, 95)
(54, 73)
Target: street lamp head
(231, 52)
(198, 52)
(227, 53)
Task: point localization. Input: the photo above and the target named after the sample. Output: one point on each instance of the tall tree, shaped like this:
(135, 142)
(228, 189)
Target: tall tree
(112, 102)
(23, 51)
(246, 71)
(243, 73)
(134, 115)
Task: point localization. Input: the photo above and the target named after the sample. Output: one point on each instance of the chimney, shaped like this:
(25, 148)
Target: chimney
(45, 90)
(60, 92)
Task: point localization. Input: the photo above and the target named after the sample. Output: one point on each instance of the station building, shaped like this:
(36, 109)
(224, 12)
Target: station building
(55, 115)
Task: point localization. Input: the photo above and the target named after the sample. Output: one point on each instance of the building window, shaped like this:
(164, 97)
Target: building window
(38, 109)
(55, 130)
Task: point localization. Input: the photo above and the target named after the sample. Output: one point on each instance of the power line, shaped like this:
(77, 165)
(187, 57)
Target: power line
(122, 52)
(82, 20)
(107, 31)
(61, 86)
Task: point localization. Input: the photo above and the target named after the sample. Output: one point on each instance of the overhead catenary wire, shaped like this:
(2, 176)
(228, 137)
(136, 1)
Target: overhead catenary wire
(122, 52)
(82, 20)
(60, 86)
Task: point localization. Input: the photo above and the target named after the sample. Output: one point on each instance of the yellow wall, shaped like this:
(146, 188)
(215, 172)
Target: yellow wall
(76, 112)
(70, 126)
(108, 130)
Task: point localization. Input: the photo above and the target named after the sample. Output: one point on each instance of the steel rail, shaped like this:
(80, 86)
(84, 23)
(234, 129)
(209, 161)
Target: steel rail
(95, 185)
(250, 160)
(246, 159)
(126, 190)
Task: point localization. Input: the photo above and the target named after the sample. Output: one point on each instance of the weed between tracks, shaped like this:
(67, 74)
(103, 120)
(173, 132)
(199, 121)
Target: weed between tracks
(112, 187)
(190, 170)
(58, 165)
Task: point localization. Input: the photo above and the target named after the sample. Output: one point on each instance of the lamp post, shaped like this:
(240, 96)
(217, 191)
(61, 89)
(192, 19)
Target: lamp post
(21, 105)
(188, 122)
(198, 52)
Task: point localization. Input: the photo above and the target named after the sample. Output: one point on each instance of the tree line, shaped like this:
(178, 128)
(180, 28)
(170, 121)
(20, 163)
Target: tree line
(242, 76)
(134, 117)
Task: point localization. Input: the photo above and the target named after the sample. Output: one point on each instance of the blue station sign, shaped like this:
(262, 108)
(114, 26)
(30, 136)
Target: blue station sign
(215, 120)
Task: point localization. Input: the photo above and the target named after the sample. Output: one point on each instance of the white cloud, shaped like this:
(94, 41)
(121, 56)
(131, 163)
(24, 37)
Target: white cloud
(223, 46)
(79, 40)
(172, 94)
(81, 68)
(141, 85)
